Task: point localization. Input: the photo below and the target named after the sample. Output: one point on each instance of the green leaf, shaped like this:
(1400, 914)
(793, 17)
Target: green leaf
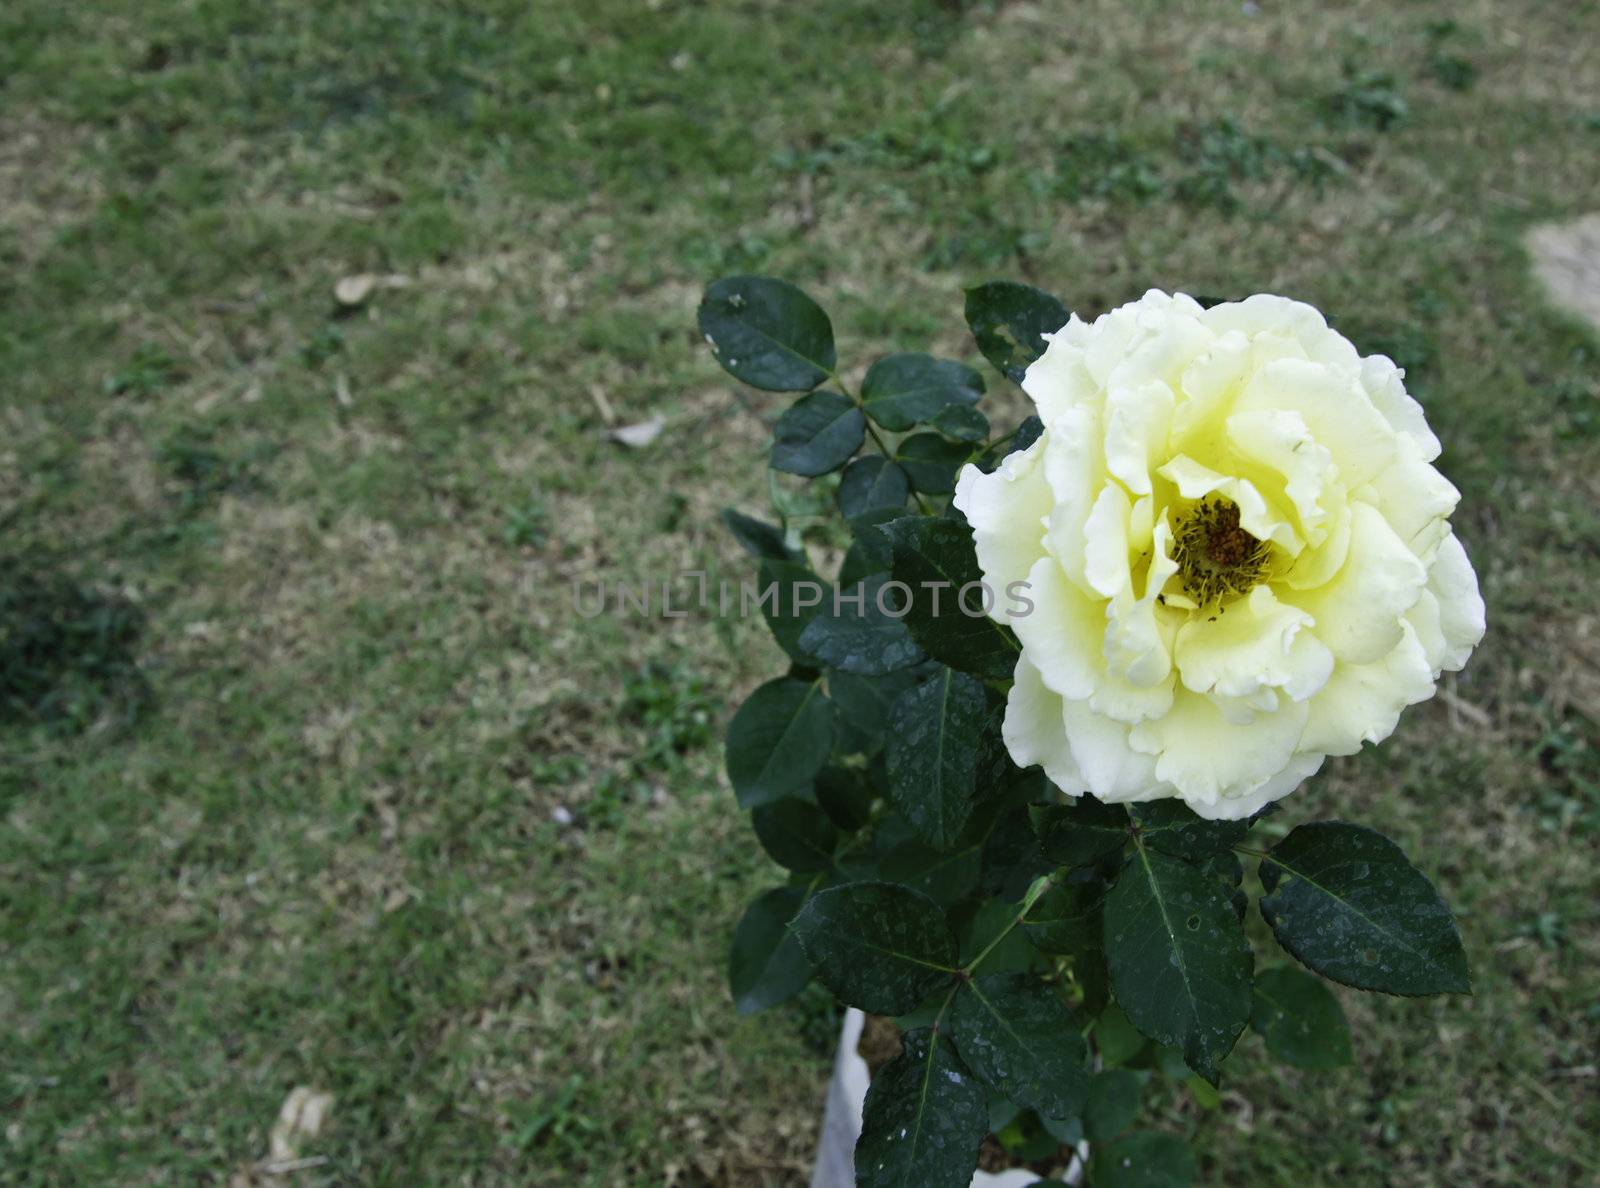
(1080, 833)
(1009, 321)
(1144, 1159)
(817, 434)
(791, 611)
(864, 702)
(923, 1121)
(1115, 1038)
(1066, 918)
(767, 333)
(758, 538)
(935, 734)
(1113, 1103)
(796, 834)
(903, 390)
(1300, 1019)
(851, 633)
(765, 965)
(1067, 921)
(940, 552)
(961, 422)
(870, 553)
(845, 796)
(1028, 432)
(1174, 828)
(1229, 872)
(1179, 961)
(931, 461)
(872, 484)
(989, 938)
(1346, 902)
(877, 946)
(778, 741)
(946, 878)
(1015, 1032)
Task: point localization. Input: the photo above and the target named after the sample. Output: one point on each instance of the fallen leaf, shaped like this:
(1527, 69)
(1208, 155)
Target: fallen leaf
(353, 290)
(640, 435)
(301, 1117)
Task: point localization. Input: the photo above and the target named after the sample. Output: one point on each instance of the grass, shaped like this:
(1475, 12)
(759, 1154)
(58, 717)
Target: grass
(340, 792)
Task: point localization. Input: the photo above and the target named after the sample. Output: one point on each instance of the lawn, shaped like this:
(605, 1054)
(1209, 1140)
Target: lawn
(311, 775)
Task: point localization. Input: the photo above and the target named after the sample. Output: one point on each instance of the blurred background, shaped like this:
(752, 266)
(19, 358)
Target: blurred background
(314, 321)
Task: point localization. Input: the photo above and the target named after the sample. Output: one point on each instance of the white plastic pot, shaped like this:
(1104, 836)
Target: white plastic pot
(841, 1122)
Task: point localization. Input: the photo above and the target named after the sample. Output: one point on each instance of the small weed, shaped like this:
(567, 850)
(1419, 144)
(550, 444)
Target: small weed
(200, 471)
(1366, 99)
(557, 1123)
(1106, 165)
(677, 709)
(1453, 71)
(147, 371)
(527, 525)
(326, 342)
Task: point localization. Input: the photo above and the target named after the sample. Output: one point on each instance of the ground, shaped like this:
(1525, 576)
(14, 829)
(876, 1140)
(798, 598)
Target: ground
(314, 778)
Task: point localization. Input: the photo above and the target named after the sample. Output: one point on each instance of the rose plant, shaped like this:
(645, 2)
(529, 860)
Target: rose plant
(1034, 714)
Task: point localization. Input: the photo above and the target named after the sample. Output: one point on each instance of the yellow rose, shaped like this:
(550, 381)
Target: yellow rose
(1238, 554)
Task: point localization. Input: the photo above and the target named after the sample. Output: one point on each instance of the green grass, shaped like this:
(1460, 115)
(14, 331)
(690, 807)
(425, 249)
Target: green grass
(314, 837)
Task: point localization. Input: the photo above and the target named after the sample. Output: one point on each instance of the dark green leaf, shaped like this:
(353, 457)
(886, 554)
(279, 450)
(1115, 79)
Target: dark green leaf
(817, 434)
(1065, 920)
(1113, 1103)
(1009, 321)
(853, 634)
(767, 333)
(1080, 833)
(1011, 857)
(1174, 828)
(1345, 901)
(944, 877)
(845, 795)
(1145, 1159)
(1229, 871)
(864, 701)
(872, 484)
(778, 741)
(1028, 432)
(877, 946)
(766, 966)
(1116, 1039)
(1015, 1032)
(870, 553)
(758, 538)
(1300, 1019)
(989, 935)
(962, 422)
(935, 733)
(1179, 961)
(902, 390)
(924, 1119)
(1068, 923)
(799, 596)
(940, 553)
(931, 461)
(796, 834)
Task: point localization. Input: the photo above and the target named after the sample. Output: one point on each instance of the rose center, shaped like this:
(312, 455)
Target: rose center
(1216, 558)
